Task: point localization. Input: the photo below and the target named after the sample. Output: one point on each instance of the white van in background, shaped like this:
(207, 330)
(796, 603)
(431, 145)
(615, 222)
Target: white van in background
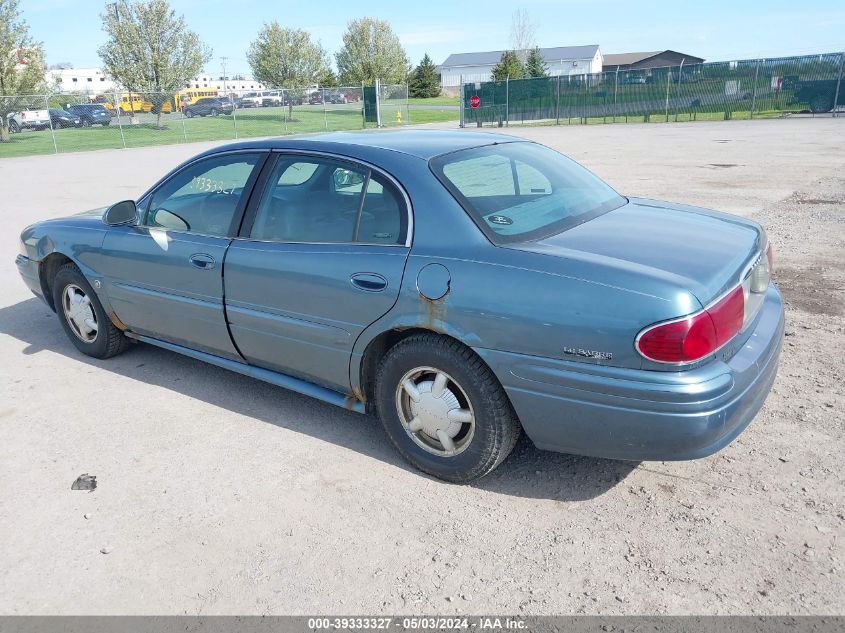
(29, 120)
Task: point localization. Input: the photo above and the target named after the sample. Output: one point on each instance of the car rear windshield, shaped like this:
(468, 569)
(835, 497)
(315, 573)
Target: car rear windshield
(522, 191)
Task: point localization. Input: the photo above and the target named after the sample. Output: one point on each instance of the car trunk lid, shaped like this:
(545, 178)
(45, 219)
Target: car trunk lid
(704, 251)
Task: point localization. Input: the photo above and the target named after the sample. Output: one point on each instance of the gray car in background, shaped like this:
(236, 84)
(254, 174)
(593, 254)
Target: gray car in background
(463, 287)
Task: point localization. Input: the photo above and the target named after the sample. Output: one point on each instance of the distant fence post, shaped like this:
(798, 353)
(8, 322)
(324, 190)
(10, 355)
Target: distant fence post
(668, 84)
(234, 115)
(50, 121)
(325, 116)
(184, 131)
(363, 109)
(507, 100)
(557, 103)
(462, 96)
(378, 102)
(754, 91)
(615, 92)
(838, 82)
(119, 124)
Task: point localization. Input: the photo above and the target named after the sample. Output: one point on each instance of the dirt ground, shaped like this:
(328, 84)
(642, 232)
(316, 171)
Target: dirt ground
(221, 494)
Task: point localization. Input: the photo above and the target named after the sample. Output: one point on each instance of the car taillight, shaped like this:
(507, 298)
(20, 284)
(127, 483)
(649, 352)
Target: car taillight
(691, 338)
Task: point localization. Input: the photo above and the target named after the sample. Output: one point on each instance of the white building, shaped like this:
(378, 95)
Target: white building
(561, 60)
(95, 81)
(92, 81)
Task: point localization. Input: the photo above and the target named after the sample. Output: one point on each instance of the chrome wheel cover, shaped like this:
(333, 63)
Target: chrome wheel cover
(79, 313)
(435, 411)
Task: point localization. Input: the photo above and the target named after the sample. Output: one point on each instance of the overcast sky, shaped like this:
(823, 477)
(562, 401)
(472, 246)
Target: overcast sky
(713, 29)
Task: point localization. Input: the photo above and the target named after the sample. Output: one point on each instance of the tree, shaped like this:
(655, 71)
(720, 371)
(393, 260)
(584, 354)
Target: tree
(424, 80)
(370, 51)
(150, 50)
(286, 58)
(327, 78)
(522, 34)
(535, 65)
(509, 67)
(21, 65)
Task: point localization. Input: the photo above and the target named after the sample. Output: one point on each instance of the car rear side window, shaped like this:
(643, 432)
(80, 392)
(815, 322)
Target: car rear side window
(322, 200)
(523, 191)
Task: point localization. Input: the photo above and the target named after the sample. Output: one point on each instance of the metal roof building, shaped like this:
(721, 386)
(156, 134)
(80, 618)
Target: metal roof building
(649, 59)
(561, 60)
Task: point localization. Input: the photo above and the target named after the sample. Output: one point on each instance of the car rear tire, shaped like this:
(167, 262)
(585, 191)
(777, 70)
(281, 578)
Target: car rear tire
(86, 123)
(14, 128)
(189, 114)
(213, 111)
(443, 408)
(82, 315)
(105, 124)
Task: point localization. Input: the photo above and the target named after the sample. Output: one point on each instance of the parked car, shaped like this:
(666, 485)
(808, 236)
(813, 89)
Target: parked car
(208, 106)
(272, 98)
(463, 287)
(29, 120)
(62, 118)
(336, 96)
(102, 100)
(251, 99)
(315, 98)
(90, 114)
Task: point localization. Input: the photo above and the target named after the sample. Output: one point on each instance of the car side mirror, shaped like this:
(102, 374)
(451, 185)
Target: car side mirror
(124, 212)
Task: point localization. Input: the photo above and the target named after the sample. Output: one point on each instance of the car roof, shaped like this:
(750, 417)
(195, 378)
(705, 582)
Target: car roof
(424, 144)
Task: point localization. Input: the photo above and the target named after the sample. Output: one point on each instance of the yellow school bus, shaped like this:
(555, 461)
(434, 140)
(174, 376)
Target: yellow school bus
(134, 102)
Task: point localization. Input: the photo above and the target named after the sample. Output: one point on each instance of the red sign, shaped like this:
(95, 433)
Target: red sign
(474, 101)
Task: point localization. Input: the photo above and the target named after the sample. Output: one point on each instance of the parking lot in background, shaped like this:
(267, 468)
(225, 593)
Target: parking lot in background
(221, 494)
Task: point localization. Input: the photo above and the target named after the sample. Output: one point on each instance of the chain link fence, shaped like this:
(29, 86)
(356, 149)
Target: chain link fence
(69, 122)
(720, 90)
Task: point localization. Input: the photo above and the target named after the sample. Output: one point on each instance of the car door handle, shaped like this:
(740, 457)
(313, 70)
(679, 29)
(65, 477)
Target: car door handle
(202, 261)
(371, 282)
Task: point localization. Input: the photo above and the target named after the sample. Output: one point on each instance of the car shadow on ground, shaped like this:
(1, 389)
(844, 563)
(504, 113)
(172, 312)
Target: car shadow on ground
(528, 472)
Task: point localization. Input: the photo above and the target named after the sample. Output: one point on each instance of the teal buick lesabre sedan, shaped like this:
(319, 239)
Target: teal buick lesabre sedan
(463, 287)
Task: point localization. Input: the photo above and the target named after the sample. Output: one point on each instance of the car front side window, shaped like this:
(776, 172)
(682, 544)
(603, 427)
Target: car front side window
(204, 197)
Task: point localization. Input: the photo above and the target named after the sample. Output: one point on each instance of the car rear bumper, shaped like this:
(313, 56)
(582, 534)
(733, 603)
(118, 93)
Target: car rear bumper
(632, 414)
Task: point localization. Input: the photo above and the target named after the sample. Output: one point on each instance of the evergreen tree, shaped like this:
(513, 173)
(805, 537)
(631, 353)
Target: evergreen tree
(535, 66)
(424, 80)
(509, 67)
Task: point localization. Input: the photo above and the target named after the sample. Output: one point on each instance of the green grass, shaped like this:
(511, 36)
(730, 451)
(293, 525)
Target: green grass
(247, 123)
(436, 101)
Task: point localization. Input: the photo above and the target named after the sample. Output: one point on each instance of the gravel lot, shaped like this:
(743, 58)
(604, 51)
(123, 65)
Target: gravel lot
(221, 494)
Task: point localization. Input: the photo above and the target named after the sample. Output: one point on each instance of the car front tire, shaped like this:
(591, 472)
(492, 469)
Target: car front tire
(82, 315)
(189, 114)
(443, 408)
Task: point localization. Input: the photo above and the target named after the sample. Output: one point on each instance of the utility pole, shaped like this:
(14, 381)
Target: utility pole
(223, 61)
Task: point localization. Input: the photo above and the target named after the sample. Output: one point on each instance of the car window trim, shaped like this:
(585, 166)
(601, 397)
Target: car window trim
(246, 196)
(246, 226)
